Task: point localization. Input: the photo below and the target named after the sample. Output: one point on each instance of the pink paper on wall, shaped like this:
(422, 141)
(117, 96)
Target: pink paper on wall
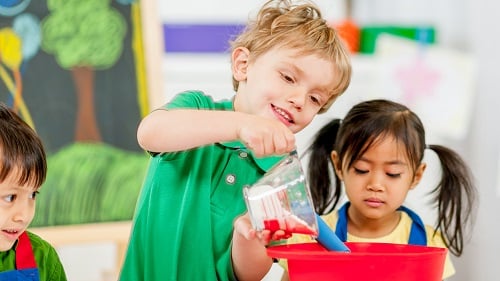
(438, 83)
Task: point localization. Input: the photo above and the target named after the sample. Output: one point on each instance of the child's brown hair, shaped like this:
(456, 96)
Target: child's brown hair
(21, 150)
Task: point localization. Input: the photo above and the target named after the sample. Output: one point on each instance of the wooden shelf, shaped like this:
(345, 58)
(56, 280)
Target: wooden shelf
(113, 232)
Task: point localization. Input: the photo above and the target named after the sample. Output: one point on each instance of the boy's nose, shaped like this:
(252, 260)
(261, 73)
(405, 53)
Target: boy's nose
(297, 99)
(23, 213)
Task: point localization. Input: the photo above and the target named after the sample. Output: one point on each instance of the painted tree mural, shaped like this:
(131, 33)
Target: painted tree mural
(48, 49)
(18, 45)
(84, 36)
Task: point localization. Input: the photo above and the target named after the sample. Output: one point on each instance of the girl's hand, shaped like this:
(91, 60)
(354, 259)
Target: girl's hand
(266, 136)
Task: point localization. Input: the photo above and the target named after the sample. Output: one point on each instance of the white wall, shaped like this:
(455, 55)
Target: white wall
(226, 11)
(480, 262)
(449, 16)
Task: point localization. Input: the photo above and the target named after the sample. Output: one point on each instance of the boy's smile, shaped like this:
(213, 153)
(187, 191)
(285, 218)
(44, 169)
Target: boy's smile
(283, 84)
(283, 115)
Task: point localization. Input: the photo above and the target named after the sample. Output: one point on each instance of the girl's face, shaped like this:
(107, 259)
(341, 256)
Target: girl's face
(378, 182)
(17, 209)
(283, 85)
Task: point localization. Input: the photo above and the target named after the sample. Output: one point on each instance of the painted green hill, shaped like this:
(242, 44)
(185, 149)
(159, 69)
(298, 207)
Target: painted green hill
(88, 183)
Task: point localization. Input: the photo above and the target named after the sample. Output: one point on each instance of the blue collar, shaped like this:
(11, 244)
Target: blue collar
(417, 232)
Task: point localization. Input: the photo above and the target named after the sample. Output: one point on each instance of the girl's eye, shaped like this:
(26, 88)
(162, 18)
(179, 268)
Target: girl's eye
(359, 171)
(34, 194)
(393, 175)
(9, 198)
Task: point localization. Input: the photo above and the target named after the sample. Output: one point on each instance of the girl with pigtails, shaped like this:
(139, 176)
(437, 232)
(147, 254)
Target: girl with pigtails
(376, 153)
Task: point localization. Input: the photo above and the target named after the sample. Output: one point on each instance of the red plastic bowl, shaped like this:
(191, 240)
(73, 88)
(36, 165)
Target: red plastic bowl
(366, 261)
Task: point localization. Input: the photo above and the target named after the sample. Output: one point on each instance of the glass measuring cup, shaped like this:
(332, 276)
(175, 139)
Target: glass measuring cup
(280, 200)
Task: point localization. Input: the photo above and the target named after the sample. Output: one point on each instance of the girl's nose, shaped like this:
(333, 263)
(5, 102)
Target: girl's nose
(375, 183)
(375, 187)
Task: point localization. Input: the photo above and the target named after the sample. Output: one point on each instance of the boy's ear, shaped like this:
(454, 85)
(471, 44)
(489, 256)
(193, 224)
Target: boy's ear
(418, 175)
(239, 59)
(336, 164)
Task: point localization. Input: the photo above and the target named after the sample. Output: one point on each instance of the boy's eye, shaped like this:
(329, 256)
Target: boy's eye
(315, 100)
(34, 194)
(9, 198)
(287, 78)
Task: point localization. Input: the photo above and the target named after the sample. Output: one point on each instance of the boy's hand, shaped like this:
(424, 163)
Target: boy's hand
(243, 226)
(249, 248)
(266, 136)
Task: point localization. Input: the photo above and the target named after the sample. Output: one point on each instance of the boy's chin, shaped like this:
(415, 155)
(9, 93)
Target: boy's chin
(5, 246)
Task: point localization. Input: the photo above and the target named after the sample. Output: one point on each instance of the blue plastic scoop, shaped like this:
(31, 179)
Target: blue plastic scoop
(328, 239)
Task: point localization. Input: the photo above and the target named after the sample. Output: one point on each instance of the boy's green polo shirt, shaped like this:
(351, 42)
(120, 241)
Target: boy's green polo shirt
(184, 216)
(47, 260)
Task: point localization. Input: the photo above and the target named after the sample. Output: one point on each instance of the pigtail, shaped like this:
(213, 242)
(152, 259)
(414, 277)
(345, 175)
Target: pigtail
(455, 195)
(319, 168)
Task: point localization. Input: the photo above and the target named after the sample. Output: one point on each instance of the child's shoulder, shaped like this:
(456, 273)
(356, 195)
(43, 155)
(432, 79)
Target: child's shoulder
(47, 259)
(198, 99)
(434, 238)
(39, 244)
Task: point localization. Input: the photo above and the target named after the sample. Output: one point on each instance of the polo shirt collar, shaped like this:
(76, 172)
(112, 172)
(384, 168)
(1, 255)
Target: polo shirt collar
(265, 163)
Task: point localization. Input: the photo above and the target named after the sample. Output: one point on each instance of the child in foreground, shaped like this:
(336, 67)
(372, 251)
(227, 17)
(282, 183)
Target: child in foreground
(376, 151)
(23, 167)
(287, 66)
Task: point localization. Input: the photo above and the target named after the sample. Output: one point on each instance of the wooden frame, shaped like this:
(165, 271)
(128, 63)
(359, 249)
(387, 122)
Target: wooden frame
(153, 52)
(113, 232)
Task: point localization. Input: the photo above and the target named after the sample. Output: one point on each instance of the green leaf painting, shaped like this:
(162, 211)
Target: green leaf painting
(88, 183)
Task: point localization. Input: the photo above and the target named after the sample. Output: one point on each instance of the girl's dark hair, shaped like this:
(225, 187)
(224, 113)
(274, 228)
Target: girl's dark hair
(21, 149)
(365, 124)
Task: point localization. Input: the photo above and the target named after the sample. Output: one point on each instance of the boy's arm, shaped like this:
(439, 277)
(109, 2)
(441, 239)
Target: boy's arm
(182, 129)
(248, 251)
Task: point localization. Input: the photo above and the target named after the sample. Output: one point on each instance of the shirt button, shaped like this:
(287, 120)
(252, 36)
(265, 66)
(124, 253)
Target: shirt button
(230, 179)
(243, 154)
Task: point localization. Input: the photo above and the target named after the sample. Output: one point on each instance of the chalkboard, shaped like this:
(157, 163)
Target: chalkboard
(49, 89)
(74, 71)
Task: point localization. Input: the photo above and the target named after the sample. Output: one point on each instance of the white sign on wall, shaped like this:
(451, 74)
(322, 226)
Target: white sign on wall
(439, 84)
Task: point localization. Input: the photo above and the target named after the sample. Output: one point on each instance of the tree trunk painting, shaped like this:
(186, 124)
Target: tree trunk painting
(86, 129)
(84, 36)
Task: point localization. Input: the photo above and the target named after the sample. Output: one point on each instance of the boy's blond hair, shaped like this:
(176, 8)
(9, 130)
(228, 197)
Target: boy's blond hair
(280, 23)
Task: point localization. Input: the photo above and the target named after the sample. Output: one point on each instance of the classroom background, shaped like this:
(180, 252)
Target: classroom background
(438, 57)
